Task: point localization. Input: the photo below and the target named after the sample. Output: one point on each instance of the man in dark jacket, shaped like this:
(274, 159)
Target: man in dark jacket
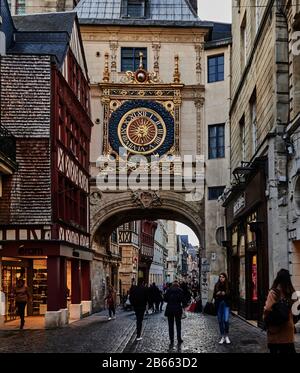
(175, 301)
(138, 297)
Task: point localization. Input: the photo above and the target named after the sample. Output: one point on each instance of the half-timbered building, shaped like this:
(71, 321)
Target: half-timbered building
(44, 225)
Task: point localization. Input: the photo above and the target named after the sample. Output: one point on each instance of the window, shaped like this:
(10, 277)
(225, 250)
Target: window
(243, 138)
(130, 58)
(20, 7)
(135, 9)
(216, 141)
(215, 192)
(215, 68)
(114, 236)
(244, 43)
(257, 15)
(253, 121)
(297, 195)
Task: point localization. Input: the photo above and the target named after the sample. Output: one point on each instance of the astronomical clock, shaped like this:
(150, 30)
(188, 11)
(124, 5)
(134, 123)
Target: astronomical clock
(141, 114)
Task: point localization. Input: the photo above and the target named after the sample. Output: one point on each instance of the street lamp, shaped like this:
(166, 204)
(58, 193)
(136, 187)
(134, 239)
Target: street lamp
(240, 173)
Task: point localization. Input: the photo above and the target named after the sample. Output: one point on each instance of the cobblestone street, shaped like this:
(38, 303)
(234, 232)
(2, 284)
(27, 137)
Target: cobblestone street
(96, 334)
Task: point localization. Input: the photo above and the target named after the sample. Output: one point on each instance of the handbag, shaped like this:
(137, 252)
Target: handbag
(279, 314)
(210, 309)
(192, 307)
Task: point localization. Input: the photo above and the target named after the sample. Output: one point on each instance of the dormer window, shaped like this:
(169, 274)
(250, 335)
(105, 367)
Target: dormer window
(134, 8)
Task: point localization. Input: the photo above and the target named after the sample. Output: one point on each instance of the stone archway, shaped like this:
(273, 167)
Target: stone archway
(112, 209)
(109, 210)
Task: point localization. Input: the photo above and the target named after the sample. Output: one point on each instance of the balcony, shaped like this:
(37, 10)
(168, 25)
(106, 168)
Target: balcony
(147, 251)
(148, 239)
(7, 152)
(128, 237)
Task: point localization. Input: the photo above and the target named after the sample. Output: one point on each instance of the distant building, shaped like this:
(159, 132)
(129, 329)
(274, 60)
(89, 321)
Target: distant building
(21, 7)
(157, 270)
(129, 241)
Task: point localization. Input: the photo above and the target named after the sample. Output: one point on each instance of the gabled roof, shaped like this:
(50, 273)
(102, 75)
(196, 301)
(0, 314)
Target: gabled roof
(46, 22)
(46, 34)
(160, 13)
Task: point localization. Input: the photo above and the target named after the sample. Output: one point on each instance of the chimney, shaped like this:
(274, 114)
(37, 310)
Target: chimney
(194, 5)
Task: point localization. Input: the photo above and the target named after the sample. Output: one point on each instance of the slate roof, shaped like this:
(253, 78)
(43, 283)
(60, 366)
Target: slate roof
(219, 35)
(46, 22)
(43, 34)
(160, 13)
(221, 31)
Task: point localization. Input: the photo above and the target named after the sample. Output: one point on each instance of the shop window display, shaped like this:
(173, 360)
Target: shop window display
(39, 291)
(242, 287)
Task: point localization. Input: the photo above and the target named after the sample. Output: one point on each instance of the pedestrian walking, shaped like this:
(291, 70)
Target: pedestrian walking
(278, 315)
(22, 297)
(161, 301)
(175, 300)
(222, 303)
(138, 296)
(111, 303)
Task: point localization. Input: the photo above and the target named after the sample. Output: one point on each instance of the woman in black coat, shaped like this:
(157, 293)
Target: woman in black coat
(175, 300)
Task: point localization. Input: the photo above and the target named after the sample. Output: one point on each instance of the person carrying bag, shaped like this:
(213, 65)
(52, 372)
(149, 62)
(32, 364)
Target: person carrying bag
(278, 315)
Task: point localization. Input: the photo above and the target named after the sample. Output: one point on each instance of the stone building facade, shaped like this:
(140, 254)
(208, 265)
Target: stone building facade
(256, 201)
(172, 40)
(129, 240)
(217, 57)
(292, 139)
(157, 272)
(21, 7)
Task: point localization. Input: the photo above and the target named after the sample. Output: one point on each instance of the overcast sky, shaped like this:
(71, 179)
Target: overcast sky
(183, 229)
(215, 10)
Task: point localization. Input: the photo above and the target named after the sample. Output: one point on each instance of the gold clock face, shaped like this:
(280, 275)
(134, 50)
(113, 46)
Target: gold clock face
(141, 131)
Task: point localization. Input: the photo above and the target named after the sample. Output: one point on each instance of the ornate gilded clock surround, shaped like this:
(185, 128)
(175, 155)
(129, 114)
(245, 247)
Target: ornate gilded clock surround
(167, 95)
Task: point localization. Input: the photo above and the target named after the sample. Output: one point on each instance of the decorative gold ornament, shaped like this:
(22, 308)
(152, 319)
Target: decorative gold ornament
(176, 75)
(106, 75)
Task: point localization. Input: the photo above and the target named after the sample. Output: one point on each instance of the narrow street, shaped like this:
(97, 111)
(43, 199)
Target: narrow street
(95, 334)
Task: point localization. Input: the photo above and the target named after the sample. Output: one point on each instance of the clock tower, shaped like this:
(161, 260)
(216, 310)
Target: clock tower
(141, 114)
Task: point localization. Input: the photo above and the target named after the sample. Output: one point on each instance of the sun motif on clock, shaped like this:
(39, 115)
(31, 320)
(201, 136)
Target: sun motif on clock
(142, 127)
(141, 130)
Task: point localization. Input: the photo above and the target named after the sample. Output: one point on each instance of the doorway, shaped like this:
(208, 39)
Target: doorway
(11, 272)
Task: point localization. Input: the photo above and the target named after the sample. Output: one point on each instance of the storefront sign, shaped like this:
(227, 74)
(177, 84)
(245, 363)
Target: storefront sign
(239, 204)
(30, 252)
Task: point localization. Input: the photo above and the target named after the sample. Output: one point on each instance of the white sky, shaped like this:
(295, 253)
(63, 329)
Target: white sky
(183, 229)
(215, 10)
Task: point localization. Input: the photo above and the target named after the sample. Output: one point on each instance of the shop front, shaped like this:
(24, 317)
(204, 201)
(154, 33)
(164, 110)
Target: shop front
(247, 245)
(57, 277)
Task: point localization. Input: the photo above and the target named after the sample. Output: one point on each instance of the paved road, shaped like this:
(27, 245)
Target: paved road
(96, 334)
(200, 333)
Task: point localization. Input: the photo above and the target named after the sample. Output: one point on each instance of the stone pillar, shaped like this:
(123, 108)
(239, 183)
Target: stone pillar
(86, 287)
(76, 306)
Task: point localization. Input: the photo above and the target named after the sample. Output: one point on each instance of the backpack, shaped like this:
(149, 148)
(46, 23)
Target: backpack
(279, 314)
